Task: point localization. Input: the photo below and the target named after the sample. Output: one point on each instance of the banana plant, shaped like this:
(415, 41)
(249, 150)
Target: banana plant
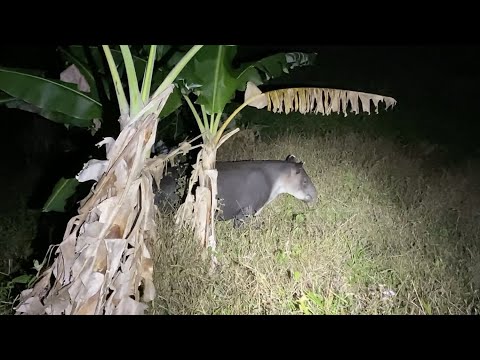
(103, 265)
(79, 97)
(213, 80)
(63, 100)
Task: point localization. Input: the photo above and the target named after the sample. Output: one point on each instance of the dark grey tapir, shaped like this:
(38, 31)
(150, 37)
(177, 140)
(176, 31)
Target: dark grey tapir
(246, 187)
(167, 198)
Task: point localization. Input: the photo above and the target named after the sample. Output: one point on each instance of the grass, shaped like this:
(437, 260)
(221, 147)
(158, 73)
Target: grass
(390, 234)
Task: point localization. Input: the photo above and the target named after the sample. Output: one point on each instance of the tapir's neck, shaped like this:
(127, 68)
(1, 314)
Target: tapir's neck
(278, 188)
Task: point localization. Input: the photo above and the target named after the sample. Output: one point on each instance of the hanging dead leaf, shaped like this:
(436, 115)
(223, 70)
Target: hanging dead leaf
(92, 170)
(253, 91)
(317, 100)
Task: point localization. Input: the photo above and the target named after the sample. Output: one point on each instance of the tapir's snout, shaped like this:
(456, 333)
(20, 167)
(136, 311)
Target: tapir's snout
(311, 199)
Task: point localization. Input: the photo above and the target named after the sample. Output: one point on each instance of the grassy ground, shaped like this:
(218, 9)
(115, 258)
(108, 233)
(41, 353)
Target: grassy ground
(390, 234)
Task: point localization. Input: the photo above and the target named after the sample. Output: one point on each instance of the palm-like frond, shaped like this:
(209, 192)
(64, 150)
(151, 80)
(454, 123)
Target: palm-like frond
(314, 100)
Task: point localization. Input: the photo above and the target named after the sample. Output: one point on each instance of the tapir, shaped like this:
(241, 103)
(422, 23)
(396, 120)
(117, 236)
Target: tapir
(246, 187)
(167, 197)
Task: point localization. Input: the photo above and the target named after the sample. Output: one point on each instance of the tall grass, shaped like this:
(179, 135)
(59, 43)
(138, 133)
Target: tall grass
(387, 236)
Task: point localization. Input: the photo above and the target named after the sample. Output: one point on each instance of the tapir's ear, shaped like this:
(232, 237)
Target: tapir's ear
(291, 158)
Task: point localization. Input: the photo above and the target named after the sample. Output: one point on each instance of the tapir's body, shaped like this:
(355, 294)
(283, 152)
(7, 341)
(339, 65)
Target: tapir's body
(167, 198)
(246, 187)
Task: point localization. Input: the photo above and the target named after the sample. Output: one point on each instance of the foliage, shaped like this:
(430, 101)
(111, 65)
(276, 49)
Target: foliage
(84, 89)
(62, 190)
(103, 265)
(213, 80)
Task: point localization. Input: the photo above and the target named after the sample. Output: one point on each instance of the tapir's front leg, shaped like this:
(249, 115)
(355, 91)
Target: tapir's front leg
(242, 214)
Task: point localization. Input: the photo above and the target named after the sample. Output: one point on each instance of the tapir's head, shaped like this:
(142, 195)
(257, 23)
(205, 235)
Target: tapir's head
(298, 183)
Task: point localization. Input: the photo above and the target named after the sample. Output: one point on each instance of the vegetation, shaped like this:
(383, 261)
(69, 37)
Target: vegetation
(375, 243)
(103, 265)
(215, 84)
(390, 235)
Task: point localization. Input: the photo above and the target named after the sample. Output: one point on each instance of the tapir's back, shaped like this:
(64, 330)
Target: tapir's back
(246, 185)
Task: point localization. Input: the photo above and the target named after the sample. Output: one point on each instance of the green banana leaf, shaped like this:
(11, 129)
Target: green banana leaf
(62, 191)
(5, 98)
(97, 55)
(175, 58)
(49, 95)
(211, 75)
(50, 115)
(271, 67)
(161, 51)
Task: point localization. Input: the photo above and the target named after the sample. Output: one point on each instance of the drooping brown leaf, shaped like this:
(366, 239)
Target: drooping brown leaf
(92, 170)
(252, 90)
(317, 100)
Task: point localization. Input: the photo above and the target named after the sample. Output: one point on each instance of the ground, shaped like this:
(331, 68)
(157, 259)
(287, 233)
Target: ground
(392, 233)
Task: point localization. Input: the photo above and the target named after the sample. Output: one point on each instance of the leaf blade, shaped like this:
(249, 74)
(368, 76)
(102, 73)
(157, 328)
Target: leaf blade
(272, 66)
(212, 76)
(62, 191)
(49, 95)
(49, 115)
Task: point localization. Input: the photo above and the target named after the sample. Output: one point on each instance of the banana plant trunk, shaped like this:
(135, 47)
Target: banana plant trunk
(103, 265)
(198, 211)
(206, 193)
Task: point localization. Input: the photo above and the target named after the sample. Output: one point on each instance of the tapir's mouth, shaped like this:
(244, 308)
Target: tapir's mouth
(310, 199)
